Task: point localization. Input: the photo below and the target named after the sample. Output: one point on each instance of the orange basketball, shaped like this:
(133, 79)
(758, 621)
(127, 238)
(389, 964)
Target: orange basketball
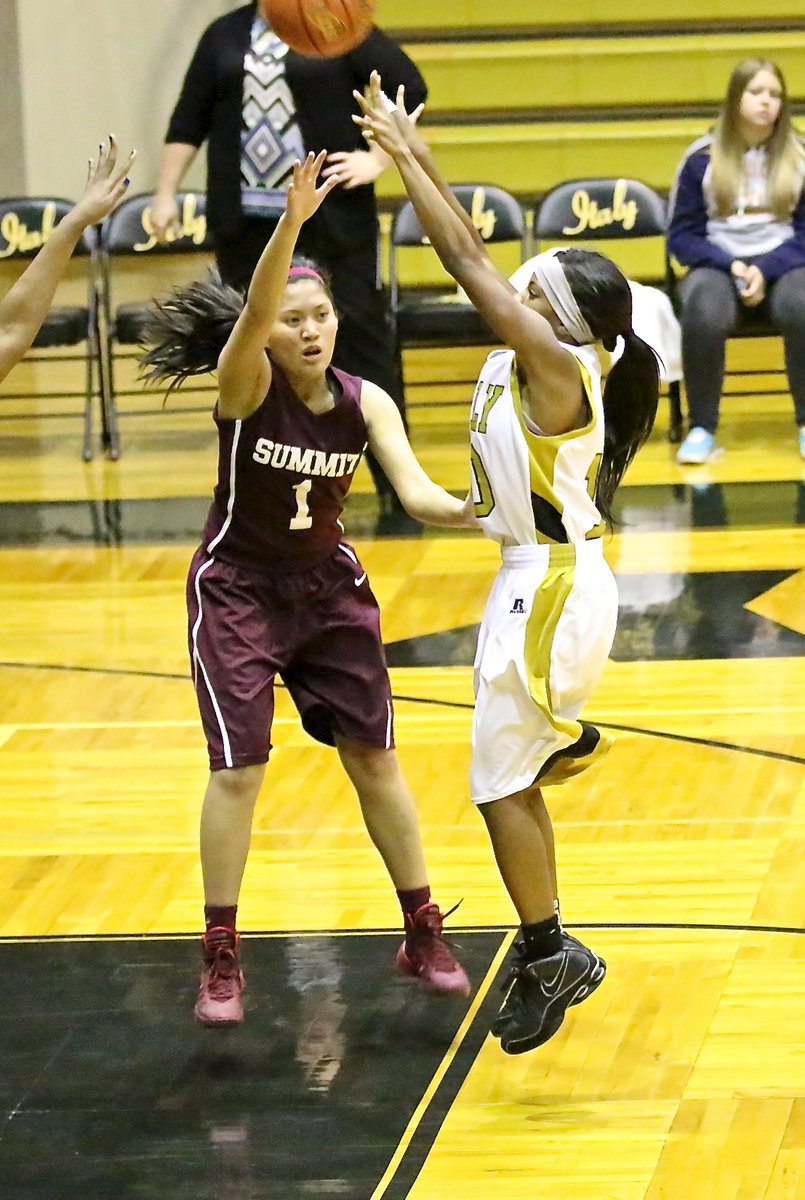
(321, 28)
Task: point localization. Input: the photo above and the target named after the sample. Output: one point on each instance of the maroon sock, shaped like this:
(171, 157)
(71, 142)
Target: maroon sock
(413, 898)
(220, 916)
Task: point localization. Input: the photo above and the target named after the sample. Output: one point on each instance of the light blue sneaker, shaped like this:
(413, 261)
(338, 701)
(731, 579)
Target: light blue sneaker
(698, 447)
(802, 441)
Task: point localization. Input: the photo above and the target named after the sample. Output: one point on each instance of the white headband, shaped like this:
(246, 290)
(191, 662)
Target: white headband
(551, 278)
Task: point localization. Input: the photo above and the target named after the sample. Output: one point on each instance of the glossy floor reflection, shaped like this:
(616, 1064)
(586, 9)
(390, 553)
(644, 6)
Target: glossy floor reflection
(695, 505)
(110, 1090)
(701, 615)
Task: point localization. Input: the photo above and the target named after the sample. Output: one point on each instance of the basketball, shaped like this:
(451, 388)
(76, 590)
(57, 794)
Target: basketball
(321, 28)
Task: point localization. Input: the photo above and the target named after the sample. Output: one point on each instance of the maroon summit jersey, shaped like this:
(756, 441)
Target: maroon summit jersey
(283, 474)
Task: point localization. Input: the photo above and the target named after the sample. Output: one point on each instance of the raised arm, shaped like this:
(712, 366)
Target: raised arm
(244, 370)
(381, 53)
(550, 370)
(26, 305)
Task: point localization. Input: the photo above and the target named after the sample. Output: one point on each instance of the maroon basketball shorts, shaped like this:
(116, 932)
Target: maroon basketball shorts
(318, 629)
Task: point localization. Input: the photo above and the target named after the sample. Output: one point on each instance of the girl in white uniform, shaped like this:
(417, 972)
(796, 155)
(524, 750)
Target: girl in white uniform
(547, 451)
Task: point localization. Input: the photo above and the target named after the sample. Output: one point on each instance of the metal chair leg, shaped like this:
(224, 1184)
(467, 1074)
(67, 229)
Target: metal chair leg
(674, 412)
(110, 430)
(89, 403)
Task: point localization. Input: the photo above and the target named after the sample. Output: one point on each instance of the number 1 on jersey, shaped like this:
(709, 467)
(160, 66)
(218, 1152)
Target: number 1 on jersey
(302, 519)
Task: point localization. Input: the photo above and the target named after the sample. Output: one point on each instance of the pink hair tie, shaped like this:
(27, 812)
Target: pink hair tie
(304, 272)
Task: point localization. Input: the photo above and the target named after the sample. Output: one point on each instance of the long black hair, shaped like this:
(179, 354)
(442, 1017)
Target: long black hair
(185, 332)
(632, 390)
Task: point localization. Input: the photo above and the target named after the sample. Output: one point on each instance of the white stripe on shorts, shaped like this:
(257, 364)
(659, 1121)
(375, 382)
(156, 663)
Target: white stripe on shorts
(197, 661)
(389, 723)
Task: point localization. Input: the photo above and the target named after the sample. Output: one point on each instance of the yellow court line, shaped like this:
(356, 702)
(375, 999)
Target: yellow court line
(440, 1073)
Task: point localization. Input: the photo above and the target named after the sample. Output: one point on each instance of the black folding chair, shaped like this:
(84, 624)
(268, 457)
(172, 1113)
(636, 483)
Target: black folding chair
(430, 316)
(127, 240)
(610, 210)
(25, 224)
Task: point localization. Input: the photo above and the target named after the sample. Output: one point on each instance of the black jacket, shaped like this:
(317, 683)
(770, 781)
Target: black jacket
(210, 108)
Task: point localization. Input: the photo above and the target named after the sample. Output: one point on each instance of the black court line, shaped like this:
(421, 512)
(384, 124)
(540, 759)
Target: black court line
(459, 704)
(705, 926)
(658, 733)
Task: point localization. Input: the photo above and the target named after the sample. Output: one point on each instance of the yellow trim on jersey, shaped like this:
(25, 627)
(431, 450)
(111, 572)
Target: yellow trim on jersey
(546, 611)
(544, 448)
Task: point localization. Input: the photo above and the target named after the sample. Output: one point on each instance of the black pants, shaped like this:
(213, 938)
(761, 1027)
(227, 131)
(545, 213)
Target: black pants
(364, 345)
(711, 311)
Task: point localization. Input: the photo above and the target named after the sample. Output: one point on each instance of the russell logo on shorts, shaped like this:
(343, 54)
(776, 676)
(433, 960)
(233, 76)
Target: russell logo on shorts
(518, 606)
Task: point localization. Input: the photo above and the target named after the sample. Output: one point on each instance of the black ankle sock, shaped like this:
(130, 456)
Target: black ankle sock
(220, 916)
(543, 938)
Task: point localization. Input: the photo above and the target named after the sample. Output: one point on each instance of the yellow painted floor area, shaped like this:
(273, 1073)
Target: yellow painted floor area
(684, 1075)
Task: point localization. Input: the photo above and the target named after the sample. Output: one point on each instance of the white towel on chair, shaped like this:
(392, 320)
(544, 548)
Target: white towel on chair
(654, 320)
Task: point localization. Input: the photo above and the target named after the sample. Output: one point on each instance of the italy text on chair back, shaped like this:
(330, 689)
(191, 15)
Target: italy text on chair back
(26, 223)
(134, 268)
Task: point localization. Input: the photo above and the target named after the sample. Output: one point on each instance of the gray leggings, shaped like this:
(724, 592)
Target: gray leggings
(710, 312)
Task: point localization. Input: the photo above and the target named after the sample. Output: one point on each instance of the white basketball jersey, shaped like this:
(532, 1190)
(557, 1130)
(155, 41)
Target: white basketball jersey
(529, 488)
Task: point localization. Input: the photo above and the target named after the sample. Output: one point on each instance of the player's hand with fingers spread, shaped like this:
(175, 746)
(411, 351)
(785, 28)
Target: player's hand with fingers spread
(303, 195)
(105, 185)
(385, 123)
(407, 123)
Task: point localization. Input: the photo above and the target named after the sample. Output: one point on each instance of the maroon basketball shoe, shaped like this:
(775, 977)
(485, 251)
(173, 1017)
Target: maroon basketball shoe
(219, 1002)
(427, 956)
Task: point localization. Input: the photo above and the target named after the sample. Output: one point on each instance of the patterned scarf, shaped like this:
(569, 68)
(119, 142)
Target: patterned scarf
(271, 140)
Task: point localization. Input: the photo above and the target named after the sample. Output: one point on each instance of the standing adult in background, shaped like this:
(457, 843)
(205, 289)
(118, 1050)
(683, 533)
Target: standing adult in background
(260, 107)
(737, 220)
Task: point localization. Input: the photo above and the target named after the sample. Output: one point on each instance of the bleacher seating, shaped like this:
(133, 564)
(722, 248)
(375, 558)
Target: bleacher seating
(529, 96)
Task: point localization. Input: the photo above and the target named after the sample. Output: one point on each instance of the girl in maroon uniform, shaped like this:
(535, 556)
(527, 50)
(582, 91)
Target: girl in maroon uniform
(273, 588)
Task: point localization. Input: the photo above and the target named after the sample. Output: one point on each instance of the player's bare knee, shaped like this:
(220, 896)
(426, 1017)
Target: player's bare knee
(238, 785)
(372, 763)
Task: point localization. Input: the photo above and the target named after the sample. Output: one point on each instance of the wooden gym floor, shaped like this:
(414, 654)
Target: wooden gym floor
(681, 858)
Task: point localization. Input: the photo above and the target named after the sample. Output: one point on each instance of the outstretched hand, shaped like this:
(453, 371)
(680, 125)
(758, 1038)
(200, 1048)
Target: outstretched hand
(303, 195)
(105, 186)
(389, 125)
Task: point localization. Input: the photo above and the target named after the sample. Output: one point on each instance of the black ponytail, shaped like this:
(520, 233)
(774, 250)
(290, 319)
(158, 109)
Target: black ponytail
(185, 333)
(631, 395)
(632, 390)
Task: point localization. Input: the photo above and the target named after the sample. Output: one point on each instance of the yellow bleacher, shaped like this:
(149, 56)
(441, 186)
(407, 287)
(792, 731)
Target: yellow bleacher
(406, 16)
(526, 96)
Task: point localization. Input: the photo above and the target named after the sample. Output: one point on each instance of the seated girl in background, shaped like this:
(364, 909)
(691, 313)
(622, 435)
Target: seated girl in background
(737, 220)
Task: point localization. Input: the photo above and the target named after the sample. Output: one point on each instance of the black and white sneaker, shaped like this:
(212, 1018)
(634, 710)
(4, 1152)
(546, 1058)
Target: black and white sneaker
(568, 943)
(541, 991)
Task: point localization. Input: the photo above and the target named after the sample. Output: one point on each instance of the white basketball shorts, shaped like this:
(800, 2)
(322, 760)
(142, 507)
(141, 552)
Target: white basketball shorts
(546, 634)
